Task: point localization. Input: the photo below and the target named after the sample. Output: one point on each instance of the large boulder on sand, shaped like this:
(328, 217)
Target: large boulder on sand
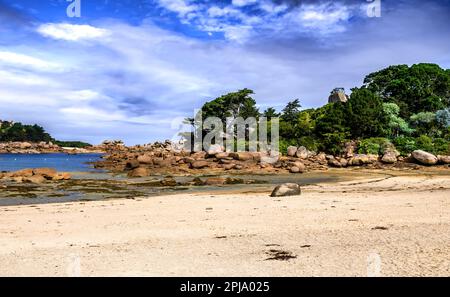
(288, 189)
(444, 159)
(425, 157)
(389, 158)
(291, 151)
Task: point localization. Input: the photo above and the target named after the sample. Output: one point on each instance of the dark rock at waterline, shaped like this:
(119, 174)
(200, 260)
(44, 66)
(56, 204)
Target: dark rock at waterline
(132, 164)
(288, 189)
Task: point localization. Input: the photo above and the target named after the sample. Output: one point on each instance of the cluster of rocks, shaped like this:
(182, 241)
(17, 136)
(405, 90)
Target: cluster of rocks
(29, 148)
(47, 148)
(35, 176)
(142, 161)
(145, 160)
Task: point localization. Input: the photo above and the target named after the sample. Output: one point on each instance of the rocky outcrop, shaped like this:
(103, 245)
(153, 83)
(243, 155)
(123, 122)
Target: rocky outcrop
(45, 148)
(29, 148)
(164, 158)
(424, 158)
(35, 176)
(288, 189)
(338, 95)
(444, 159)
(389, 157)
(48, 173)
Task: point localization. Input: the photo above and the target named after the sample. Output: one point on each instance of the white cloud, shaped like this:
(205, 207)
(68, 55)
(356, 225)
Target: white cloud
(71, 32)
(240, 25)
(8, 58)
(181, 7)
(324, 18)
(241, 3)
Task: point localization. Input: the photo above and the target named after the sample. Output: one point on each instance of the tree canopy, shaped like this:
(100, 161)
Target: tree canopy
(407, 106)
(419, 88)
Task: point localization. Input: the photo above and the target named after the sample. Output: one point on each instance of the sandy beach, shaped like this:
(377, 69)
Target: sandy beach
(378, 226)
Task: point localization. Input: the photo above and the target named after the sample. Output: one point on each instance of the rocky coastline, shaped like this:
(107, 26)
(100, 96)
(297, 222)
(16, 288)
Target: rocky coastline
(165, 158)
(45, 148)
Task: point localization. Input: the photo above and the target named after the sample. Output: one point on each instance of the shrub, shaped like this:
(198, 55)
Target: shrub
(376, 146)
(441, 146)
(425, 143)
(405, 145)
(333, 143)
(309, 142)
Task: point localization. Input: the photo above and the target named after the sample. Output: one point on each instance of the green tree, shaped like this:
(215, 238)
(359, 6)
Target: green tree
(291, 111)
(365, 114)
(395, 124)
(419, 88)
(331, 127)
(443, 117)
(270, 113)
(425, 123)
(236, 104)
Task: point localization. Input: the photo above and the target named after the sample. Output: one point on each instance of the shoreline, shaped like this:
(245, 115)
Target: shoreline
(330, 230)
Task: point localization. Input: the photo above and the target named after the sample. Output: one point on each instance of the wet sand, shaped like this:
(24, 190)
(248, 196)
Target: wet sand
(379, 225)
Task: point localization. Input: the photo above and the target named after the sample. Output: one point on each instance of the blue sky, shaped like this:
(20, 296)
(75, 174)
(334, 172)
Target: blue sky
(132, 69)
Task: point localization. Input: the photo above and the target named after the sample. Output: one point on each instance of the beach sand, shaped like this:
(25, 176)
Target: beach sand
(390, 226)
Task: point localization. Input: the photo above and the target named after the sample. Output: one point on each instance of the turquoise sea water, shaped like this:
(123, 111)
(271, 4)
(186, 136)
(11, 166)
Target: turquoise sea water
(61, 162)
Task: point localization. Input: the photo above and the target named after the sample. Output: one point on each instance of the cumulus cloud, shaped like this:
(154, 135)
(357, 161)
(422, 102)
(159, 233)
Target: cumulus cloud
(72, 32)
(239, 24)
(181, 7)
(325, 18)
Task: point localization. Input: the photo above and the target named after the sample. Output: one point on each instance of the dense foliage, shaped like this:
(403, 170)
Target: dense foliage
(401, 106)
(10, 131)
(74, 144)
